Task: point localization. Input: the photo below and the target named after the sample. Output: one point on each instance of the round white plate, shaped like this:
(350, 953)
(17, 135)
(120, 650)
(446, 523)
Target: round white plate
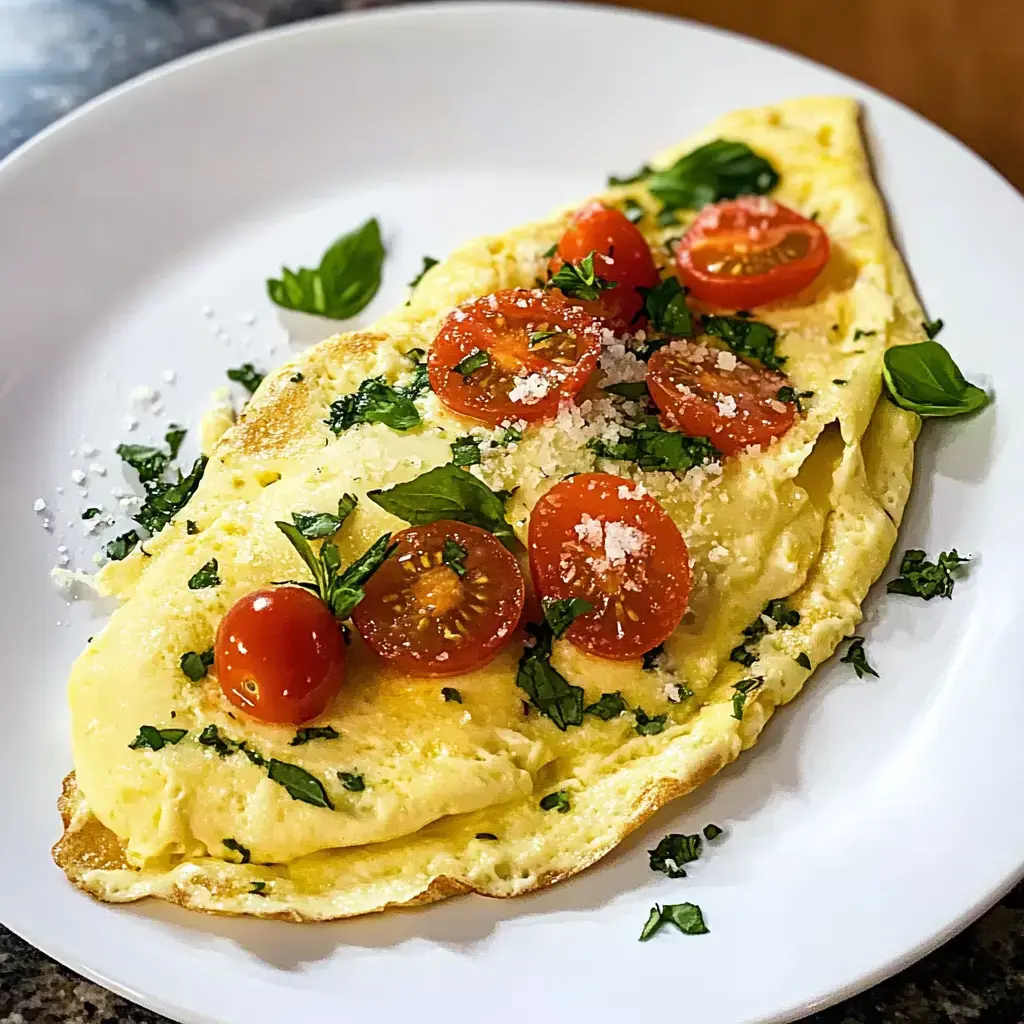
(870, 823)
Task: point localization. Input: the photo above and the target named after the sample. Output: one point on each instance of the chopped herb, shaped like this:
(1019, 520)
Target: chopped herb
(712, 832)
(92, 513)
(610, 706)
(548, 253)
(205, 576)
(451, 695)
(195, 663)
(687, 917)
(120, 547)
(856, 657)
(314, 732)
(465, 451)
(633, 390)
(839, 382)
(650, 447)
(673, 852)
(236, 847)
(211, 737)
(248, 376)
(716, 170)
(803, 660)
(257, 888)
(317, 525)
(746, 337)
(858, 334)
(510, 435)
(454, 555)
(558, 801)
(651, 657)
(742, 656)
(666, 308)
(447, 492)
(373, 402)
(788, 394)
(352, 781)
(164, 500)
(345, 281)
(296, 378)
(649, 725)
(816, 214)
(580, 281)
(474, 361)
(920, 578)
(925, 379)
(561, 613)
(932, 328)
(428, 262)
(190, 527)
(155, 739)
(739, 698)
(781, 614)
(633, 210)
(485, 835)
(537, 337)
(297, 781)
(150, 462)
(628, 179)
(549, 692)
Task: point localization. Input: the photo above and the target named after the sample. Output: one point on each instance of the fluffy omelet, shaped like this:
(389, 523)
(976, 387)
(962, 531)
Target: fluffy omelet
(452, 791)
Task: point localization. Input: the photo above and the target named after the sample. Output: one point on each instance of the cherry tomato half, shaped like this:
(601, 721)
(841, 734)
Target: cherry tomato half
(516, 354)
(280, 655)
(604, 539)
(622, 256)
(708, 392)
(750, 251)
(444, 602)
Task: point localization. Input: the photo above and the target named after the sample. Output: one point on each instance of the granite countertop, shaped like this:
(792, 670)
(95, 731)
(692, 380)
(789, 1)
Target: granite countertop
(54, 55)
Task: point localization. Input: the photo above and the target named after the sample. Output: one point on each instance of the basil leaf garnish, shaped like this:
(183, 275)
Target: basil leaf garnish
(673, 852)
(932, 328)
(558, 801)
(474, 361)
(739, 698)
(924, 379)
(712, 831)
(352, 781)
(666, 308)
(428, 262)
(195, 663)
(610, 706)
(374, 402)
(650, 447)
(628, 179)
(561, 613)
(746, 337)
(92, 513)
(451, 695)
(649, 725)
(317, 525)
(236, 847)
(314, 732)
(549, 692)
(454, 555)
(299, 783)
(155, 739)
(920, 578)
(717, 170)
(633, 390)
(205, 577)
(856, 657)
(165, 500)
(687, 917)
(121, 547)
(465, 451)
(580, 281)
(248, 376)
(345, 281)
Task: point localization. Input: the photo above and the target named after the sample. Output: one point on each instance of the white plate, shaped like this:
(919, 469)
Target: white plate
(872, 820)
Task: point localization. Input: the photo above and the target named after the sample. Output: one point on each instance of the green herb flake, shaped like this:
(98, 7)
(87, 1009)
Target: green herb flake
(474, 361)
(712, 832)
(610, 706)
(190, 527)
(920, 578)
(673, 852)
(557, 801)
(454, 555)
(451, 695)
(314, 732)
(687, 917)
(428, 262)
(789, 394)
(297, 378)
(924, 379)
(549, 692)
(649, 725)
(562, 612)
(858, 334)
(748, 338)
(652, 658)
(165, 499)
(465, 451)
(629, 179)
(248, 376)
(121, 547)
(931, 328)
(92, 513)
(258, 888)
(856, 657)
(346, 280)
(666, 308)
(739, 699)
(211, 737)
(236, 847)
(317, 525)
(205, 576)
(195, 663)
(151, 738)
(352, 781)
(299, 784)
(374, 401)
(653, 448)
(803, 660)
(580, 280)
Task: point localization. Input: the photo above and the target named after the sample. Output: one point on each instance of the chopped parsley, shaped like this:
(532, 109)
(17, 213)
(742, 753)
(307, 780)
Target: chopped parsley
(248, 376)
(649, 725)
(580, 280)
(610, 706)
(195, 663)
(205, 576)
(920, 578)
(465, 451)
(687, 917)
(92, 513)
(346, 280)
(712, 832)
(673, 852)
(557, 801)
(454, 555)
(151, 738)
(314, 732)
(352, 781)
(739, 698)
(803, 660)
(666, 308)
(121, 547)
(931, 328)
(451, 695)
(374, 401)
(549, 692)
(925, 379)
(473, 362)
(236, 847)
(856, 657)
(650, 447)
(428, 262)
(317, 525)
(746, 337)
(561, 613)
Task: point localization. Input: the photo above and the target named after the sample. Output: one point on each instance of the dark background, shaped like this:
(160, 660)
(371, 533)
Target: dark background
(959, 62)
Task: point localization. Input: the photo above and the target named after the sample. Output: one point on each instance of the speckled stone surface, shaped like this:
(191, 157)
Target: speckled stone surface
(54, 55)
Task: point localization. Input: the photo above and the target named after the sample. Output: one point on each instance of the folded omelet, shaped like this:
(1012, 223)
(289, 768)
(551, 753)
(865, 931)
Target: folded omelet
(451, 791)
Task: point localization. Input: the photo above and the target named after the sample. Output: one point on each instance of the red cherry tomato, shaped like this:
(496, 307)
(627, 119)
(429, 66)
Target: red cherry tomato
(750, 251)
(280, 655)
(623, 256)
(444, 603)
(539, 348)
(604, 539)
(708, 392)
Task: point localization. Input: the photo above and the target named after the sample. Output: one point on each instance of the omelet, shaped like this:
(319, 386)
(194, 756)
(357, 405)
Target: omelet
(451, 794)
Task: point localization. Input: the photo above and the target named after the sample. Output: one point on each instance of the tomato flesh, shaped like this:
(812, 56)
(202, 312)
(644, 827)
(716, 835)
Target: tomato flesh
(604, 539)
(709, 392)
(280, 655)
(749, 252)
(622, 255)
(427, 619)
(524, 377)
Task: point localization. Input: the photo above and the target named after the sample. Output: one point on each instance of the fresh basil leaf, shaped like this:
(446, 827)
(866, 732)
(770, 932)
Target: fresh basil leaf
(549, 692)
(580, 281)
(649, 725)
(314, 732)
(633, 210)
(687, 917)
(299, 783)
(211, 737)
(347, 590)
(236, 847)
(428, 262)
(92, 513)
(147, 461)
(654, 922)
(652, 448)
(747, 338)
(205, 577)
(666, 308)
(121, 547)
(258, 888)
(628, 179)
(610, 706)
(673, 852)
(454, 555)
(856, 657)
(174, 436)
(308, 555)
(561, 613)
(803, 660)
(920, 578)
(373, 402)
(474, 361)
(739, 699)
(633, 390)
(924, 379)
(558, 801)
(932, 327)
(248, 376)
(714, 171)
(712, 831)
(195, 663)
(451, 695)
(345, 281)
(447, 492)
(352, 781)
(419, 383)
(165, 500)
(155, 739)
(465, 451)
(316, 525)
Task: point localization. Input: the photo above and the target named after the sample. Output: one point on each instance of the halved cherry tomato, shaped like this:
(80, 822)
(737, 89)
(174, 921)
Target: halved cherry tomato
(440, 609)
(708, 392)
(604, 539)
(540, 351)
(623, 256)
(280, 655)
(750, 251)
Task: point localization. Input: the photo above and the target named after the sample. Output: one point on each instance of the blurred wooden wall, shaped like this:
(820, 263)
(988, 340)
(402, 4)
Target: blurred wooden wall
(958, 62)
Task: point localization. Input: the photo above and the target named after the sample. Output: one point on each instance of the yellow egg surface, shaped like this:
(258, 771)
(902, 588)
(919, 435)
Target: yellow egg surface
(811, 519)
